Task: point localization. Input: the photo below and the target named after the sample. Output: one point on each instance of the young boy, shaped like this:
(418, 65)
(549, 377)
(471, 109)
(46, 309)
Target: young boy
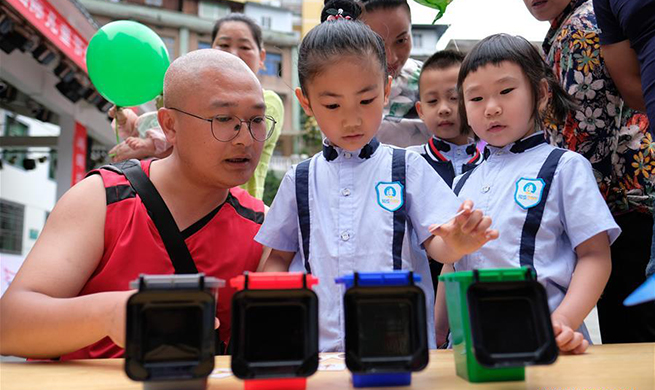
(451, 151)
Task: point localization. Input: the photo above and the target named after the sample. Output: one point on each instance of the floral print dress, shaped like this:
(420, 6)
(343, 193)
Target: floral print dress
(612, 136)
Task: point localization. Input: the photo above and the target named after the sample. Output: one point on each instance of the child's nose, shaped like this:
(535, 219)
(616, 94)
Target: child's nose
(353, 119)
(493, 109)
(445, 109)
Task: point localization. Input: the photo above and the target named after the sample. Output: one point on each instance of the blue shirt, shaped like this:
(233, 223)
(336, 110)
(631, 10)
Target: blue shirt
(352, 231)
(574, 212)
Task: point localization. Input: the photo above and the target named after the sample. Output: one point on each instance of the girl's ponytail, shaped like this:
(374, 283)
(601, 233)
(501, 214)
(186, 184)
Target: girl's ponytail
(560, 103)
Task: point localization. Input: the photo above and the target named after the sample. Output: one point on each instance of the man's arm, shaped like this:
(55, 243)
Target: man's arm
(623, 66)
(41, 313)
(278, 261)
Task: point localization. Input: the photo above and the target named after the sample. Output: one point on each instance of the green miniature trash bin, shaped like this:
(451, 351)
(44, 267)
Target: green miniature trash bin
(486, 306)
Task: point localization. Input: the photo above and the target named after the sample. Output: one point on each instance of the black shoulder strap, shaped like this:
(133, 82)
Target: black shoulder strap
(535, 214)
(302, 201)
(460, 183)
(161, 217)
(400, 215)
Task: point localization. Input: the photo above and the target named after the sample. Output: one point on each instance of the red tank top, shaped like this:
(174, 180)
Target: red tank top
(221, 244)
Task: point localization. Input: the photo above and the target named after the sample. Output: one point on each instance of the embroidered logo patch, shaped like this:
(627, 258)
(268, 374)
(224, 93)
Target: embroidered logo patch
(390, 195)
(528, 192)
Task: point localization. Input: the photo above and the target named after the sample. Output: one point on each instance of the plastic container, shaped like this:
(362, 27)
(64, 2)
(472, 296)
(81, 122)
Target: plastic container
(499, 323)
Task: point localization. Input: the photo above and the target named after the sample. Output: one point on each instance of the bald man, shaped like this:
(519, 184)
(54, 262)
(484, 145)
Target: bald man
(68, 300)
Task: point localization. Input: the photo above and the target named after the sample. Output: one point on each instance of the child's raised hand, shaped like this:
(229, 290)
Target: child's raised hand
(468, 231)
(568, 340)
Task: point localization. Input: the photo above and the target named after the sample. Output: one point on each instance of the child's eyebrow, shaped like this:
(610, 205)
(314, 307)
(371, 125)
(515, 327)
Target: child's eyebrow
(361, 91)
(328, 94)
(401, 34)
(471, 89)
(504, 79)
(367, 89)
(499, 81)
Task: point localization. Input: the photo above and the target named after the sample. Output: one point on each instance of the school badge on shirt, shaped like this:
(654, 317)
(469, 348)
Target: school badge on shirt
(390, 195)
(528, 192)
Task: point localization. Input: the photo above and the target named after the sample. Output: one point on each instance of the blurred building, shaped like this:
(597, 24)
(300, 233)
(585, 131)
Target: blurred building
(425, 38)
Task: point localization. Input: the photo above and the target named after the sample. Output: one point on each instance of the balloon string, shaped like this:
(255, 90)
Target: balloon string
(118, 140)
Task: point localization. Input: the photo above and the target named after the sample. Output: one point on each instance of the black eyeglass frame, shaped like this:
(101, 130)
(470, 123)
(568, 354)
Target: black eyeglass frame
(236, 133)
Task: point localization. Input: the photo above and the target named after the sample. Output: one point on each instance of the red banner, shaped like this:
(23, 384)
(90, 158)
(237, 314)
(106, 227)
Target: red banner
(45, 18)
(79, 154)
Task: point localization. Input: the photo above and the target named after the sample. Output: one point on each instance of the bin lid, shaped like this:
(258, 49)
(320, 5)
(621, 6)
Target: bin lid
(510, 323)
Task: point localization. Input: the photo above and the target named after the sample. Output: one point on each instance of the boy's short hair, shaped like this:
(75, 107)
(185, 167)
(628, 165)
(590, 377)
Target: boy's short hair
(440, 60)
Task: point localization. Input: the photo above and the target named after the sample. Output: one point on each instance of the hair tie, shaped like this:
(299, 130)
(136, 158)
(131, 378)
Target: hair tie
(336, 14)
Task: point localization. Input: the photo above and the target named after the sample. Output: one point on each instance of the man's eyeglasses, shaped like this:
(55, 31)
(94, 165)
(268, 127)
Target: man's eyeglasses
(225, 128)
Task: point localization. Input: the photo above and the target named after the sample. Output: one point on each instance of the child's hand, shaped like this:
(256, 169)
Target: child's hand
(568, 340)
(467, 232)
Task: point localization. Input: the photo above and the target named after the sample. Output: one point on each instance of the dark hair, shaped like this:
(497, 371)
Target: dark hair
(498, 48)
(237, 17)
(440, 60)
(349, 7)
(329, 41)
(374, 5)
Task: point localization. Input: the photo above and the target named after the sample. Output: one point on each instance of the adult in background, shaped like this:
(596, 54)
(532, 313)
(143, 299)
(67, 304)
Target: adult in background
(615, 139)
(627, 43)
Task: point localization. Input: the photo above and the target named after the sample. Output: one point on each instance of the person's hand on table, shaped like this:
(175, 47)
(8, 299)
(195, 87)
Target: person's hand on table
(568, 340)
(118, 317)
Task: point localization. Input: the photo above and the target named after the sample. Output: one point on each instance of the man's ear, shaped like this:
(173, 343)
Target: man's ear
(168, 124)
(387, 90)
(304, 102)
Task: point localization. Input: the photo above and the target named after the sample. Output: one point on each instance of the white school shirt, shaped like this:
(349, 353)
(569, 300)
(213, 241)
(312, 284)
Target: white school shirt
(574, 212)
(351, 231)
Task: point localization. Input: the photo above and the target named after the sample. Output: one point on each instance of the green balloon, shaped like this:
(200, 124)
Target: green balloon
(127, 62)
(439, 5)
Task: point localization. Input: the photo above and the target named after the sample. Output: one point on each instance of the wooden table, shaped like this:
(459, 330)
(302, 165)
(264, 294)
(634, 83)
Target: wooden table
(610, 367)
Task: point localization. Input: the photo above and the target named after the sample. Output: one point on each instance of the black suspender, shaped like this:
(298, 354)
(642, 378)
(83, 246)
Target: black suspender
(302, 201)
(460, 183)
(160, 215)
(535, 214)
(400, 215)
